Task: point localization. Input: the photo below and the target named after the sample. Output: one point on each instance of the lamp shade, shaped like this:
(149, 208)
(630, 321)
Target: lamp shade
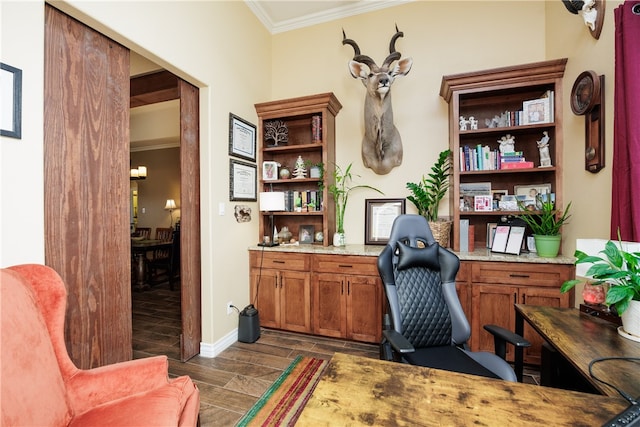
(171, 204)
(272, 201)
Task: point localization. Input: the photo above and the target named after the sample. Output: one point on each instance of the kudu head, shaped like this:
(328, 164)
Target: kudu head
(381, 145)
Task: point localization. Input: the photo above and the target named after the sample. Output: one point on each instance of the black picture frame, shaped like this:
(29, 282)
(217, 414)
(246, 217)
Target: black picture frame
(307, 233)
(242, 138)
(11, 89)
(379, 217)
(243, 185)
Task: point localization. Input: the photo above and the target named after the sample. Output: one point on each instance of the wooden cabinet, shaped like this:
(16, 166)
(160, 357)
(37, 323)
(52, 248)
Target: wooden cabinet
(500, 93)
(283, 290)
(309, 123)
(347, 297)
(497, 286)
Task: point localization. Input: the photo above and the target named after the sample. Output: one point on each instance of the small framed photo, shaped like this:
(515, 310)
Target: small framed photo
(536, 111)
(483, 203)
(497, 197)
(11, 107)
(306, 234)
(242, 138)
(491, 232)
(269, 171)
(531, 191)
(242, 181)
(379, 217)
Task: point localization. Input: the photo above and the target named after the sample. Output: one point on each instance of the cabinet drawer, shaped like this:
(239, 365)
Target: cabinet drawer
(280, 260)
(346, 264)
(546, 275)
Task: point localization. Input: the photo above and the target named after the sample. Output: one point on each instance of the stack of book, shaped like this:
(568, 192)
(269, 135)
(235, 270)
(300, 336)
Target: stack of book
(303, 201)
(479, 158)
(514, 160)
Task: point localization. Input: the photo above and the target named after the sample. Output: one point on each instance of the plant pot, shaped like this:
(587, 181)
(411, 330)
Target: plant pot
(547, 246)
(339, 239)
(441, 231)
(631, 320)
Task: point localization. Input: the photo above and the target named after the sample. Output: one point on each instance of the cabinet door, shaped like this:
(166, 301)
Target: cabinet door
(295, 301)
(548, 297)
(329, 305)
(265, 284)
(364, 308)
(492, 305)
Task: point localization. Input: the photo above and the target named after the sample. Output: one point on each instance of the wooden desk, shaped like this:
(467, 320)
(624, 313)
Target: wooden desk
(360, 391)
(139, 249)
(580, 338)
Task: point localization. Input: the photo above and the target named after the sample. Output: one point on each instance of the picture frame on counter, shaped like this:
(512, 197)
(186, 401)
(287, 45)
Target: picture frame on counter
(379, 217)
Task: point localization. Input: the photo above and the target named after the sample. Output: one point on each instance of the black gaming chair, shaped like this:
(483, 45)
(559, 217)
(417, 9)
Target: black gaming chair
(428, 326)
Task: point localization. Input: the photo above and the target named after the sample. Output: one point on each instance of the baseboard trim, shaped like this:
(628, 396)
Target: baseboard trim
(212, 350)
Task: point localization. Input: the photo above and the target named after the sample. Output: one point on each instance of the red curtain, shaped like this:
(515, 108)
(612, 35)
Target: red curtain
(625, 206)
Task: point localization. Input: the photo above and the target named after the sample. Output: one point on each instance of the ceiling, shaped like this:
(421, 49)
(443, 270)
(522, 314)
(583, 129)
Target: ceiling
(284, 15)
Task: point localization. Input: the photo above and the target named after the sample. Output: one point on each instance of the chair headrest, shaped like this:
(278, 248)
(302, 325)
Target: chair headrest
(410, 228)
(409, 257)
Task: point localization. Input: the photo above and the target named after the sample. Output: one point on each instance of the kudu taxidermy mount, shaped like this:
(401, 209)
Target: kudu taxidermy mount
(381, 144)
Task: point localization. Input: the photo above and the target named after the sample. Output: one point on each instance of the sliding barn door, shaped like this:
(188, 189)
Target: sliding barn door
(190, 220)
(86, 180)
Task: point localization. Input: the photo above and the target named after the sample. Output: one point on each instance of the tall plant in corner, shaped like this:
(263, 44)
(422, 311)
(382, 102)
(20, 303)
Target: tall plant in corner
(427, 194)
(340, 190)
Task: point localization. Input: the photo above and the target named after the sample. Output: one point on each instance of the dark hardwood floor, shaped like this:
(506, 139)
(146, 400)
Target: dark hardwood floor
(234, 380)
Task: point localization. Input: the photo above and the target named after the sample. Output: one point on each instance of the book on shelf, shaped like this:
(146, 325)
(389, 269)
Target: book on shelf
(517, 165)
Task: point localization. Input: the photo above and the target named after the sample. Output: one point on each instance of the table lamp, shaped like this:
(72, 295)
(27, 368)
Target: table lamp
(272, 201)
(170, 206)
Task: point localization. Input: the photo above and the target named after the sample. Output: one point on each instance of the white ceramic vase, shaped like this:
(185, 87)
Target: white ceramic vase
(631, 319)
(339, 239)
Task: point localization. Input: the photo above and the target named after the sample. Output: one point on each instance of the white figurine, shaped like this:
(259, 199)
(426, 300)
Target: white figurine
(463, 123)
(589, 14)
(507, 144)
(299, 171)
(473, 123)
(543, 146)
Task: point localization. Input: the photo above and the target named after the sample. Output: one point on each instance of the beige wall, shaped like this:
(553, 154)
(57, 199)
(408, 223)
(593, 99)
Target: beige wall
(223, 49)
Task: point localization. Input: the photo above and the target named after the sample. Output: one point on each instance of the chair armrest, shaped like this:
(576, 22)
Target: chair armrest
(501, 336)
(92, 387)
(398, 341)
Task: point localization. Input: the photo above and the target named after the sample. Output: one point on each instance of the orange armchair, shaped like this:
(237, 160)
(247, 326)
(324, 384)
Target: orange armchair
(40, 385)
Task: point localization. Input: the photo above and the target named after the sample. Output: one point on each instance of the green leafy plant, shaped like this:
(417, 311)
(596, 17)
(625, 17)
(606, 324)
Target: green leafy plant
(320, 165)
(427, 194)
(340, 190)
(546, 221)
(617, 268)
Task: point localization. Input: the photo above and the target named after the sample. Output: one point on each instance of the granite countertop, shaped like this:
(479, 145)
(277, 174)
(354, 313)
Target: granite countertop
(480, 254)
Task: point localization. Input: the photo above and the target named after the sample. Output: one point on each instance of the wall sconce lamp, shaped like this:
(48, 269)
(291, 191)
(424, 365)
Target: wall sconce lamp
(592, 12)
(138, 173)
(170, 206)
(272, 201)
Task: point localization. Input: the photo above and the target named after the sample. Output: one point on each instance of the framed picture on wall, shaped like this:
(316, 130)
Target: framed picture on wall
(242, 181)
(242, 138)
(11, 98)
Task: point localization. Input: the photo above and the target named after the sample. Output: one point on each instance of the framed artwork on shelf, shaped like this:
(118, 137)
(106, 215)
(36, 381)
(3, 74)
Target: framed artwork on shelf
(536, 111)
(483, 203)
(491, 231)
(269, 171)
(11, 110)
(242, 181)
(242, 138)
(531, 191)
(306, 234)
(379, 217)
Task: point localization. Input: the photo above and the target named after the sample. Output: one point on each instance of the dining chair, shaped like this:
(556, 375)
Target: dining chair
(165, 263)
(143, 232)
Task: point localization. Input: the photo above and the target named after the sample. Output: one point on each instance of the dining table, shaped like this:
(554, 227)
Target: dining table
(139, 250)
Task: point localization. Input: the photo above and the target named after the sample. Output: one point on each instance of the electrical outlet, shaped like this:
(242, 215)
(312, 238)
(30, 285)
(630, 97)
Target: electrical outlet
(229, 307)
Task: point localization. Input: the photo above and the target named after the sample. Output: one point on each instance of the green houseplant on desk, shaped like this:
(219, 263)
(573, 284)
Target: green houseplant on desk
(340, 190)
(620, 270)
(545, 225)
(427, 194)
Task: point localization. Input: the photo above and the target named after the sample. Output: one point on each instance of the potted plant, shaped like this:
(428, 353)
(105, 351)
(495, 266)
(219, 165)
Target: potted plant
(340, 190)
(427, 194)
(620, 270)
(545, 224)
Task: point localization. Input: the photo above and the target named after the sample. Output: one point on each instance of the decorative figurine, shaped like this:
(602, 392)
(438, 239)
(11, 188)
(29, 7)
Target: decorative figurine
(507, 144)
(463, 123)
(473, 123)
(276, 133)
(543, 146)
(299, 171)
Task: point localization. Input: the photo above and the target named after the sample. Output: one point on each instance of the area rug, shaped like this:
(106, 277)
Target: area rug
(283, 402)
